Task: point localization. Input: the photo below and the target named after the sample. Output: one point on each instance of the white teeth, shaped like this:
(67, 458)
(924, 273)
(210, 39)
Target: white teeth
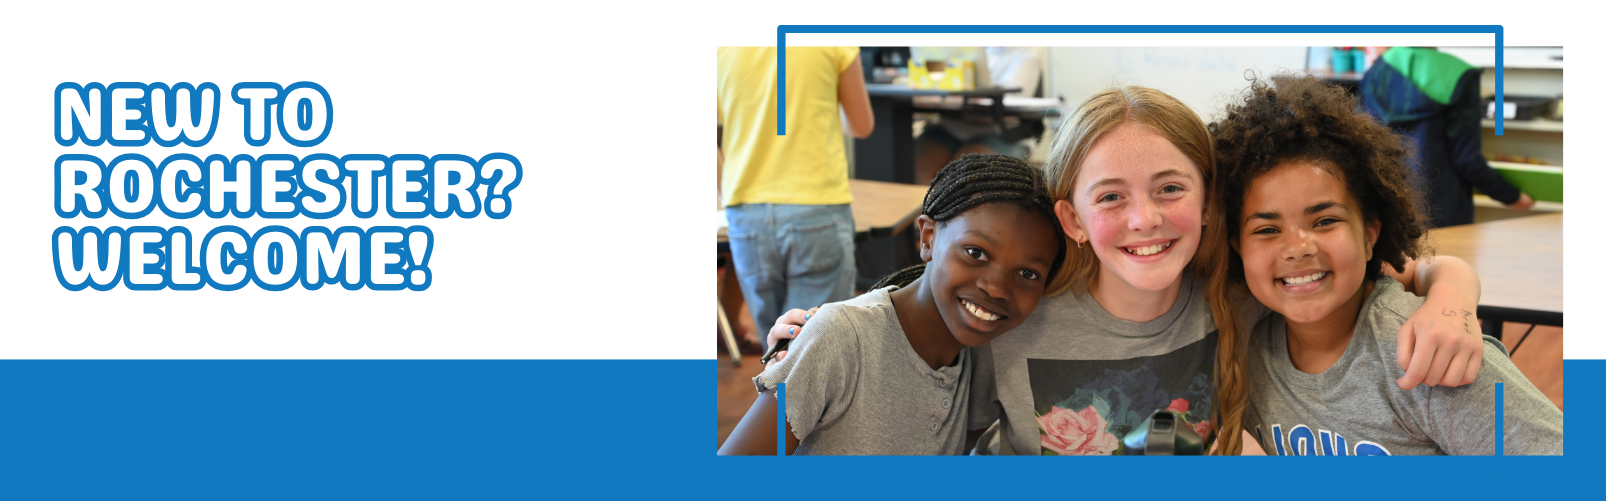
(1305, 279)
(1147, 250)
(978, 312)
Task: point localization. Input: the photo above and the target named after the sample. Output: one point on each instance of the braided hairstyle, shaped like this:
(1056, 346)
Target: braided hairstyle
(977, 179)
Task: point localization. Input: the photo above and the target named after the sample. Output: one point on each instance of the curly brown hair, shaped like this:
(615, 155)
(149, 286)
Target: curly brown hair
(1303, 119)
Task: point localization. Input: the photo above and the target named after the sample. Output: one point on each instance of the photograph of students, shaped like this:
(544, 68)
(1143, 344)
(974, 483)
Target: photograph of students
(1127, 327)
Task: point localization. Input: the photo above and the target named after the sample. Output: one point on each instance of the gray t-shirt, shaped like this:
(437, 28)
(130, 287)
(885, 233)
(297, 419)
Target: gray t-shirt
(1355, 408)
(1073, 379)
(854, 385)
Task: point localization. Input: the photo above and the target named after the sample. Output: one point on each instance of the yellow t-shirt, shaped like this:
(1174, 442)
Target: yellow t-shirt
(807, 166)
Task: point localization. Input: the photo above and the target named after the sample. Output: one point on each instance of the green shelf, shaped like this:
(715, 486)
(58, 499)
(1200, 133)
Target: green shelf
(1542, 182)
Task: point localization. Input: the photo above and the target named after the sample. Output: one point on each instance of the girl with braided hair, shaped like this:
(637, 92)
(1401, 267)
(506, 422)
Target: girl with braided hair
(889, 372)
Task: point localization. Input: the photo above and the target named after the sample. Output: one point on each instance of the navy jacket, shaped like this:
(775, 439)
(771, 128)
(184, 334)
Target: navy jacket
(1410, 90)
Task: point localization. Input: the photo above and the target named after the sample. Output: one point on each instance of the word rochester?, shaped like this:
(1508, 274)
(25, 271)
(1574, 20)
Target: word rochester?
(271, 186)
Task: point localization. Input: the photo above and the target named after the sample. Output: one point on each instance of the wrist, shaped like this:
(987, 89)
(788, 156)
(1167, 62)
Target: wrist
(1449, 281)
(1443, 298)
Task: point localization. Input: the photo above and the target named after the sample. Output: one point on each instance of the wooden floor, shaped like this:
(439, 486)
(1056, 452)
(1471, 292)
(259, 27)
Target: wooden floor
(736, 392)
(1539, 358)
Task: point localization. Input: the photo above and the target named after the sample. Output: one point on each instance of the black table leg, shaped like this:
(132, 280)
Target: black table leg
(882, 256)
(1495, 318)
(1493, 328)
(889, 153)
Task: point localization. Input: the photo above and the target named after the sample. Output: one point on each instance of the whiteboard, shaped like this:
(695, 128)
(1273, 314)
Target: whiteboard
(1204, 78)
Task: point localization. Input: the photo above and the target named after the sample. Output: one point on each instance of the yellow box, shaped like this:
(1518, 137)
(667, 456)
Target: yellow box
(952, 74)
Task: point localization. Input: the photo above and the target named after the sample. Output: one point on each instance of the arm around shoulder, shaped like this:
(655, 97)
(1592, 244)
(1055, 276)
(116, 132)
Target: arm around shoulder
(1440, 344)
(818, 374)
(1432, 276)
(755, 434)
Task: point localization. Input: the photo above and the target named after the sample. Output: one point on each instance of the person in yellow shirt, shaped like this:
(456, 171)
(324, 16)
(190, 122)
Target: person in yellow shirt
(786, 197)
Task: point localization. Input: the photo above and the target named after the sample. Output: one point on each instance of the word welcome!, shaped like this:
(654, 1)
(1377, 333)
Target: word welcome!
(270, 186)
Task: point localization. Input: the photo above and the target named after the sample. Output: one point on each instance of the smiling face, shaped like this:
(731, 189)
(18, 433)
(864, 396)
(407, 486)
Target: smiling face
(1304, 243)
(987, 268)
(1140, 203)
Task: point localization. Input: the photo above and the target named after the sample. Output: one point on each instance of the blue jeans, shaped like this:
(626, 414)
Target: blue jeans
(791, 256)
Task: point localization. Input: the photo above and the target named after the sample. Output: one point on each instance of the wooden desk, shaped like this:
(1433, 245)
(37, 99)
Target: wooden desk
(879, 209)
(884, 209)
(1519, 262)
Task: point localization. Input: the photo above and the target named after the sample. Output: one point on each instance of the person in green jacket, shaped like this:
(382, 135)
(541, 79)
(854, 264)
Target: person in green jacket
(1432, 98)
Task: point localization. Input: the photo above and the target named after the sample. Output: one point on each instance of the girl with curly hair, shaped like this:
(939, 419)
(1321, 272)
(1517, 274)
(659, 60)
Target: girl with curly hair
(1317, 201)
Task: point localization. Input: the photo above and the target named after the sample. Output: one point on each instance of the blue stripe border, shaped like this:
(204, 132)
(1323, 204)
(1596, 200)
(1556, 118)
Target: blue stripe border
(535, 429)
(1498, 31)
(780, 419)
(1499, 419)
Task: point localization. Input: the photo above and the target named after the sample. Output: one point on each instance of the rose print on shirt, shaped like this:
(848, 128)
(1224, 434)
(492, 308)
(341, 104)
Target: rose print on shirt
(1203, 429)
(1179, 406)
(1087, 406)
(1076, 433)
(1199, 425)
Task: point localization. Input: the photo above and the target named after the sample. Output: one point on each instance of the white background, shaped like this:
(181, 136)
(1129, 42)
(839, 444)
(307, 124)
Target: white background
(606, 254)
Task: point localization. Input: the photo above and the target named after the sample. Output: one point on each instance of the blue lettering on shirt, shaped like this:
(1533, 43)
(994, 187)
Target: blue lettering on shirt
(1303, 442)
(1364, 448)
(1277, 435)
